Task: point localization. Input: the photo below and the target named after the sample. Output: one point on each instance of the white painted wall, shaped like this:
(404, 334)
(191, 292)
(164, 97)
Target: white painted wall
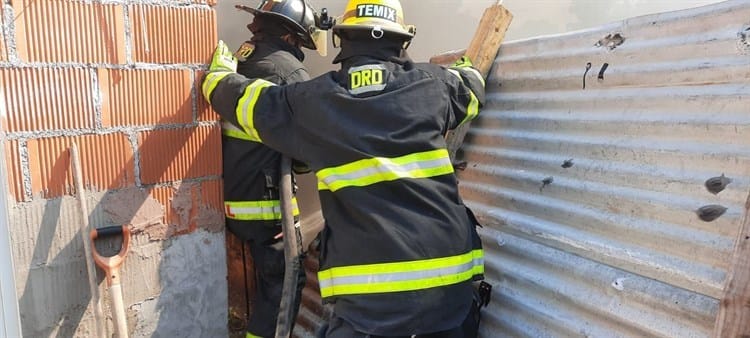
(444, 25)
(10, 324)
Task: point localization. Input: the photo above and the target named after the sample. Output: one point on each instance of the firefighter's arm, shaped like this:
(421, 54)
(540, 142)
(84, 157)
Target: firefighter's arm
(467, 92)
(248, 103)
(222, 86)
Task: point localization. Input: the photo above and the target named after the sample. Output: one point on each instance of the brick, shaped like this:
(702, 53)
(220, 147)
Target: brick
(38, 99)
(69, 31)
(205, 112)
(145, 97)
(172, 34)
(188, 204)
(106, 164)
(13, 166)
(177, 154)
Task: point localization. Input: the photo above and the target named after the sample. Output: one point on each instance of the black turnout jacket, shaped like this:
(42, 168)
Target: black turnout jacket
(399, 249)
(251, 169)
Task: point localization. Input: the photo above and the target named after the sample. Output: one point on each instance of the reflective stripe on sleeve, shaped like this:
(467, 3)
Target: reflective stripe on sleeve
(246, 107)
(229, 129)
(472, 110)
(257, 210)
(471, 70)
(210, 82)
(380, 169)
(400, 276)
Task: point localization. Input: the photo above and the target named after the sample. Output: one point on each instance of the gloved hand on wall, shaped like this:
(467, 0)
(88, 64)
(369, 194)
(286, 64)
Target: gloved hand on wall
(223, 59)
(222, 64)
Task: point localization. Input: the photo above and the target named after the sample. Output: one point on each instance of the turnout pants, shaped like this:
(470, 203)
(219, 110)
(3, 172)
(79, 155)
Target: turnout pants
(339, 328)
(269, 262)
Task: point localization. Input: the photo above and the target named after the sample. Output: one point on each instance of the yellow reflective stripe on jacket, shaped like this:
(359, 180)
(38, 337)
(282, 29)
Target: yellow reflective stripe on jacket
(472, 110)
(229, 129)
(246, 107)
(380, 169)
(250, 335)
(467, 66)
(257, 210)
(212, 80)
(400, 276)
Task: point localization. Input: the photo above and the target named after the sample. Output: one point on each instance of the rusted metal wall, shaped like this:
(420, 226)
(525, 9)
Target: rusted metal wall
(588, 166)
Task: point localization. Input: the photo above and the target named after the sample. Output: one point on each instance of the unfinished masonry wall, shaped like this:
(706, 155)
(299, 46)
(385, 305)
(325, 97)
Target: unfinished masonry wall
(121, 80)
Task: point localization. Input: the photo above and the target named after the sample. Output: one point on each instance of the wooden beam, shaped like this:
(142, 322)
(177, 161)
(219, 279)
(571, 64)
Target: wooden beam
(482, 51)
(733, 320)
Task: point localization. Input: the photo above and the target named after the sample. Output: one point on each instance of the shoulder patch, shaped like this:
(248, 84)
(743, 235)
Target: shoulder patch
(367, 78)
(244, 51)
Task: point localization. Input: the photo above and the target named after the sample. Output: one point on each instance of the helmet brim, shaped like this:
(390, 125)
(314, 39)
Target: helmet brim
(307, 40)
(397, 33)
(247, 9)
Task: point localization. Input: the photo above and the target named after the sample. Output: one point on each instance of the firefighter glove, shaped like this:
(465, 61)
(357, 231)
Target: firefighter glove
(464, 61)
(223, 60)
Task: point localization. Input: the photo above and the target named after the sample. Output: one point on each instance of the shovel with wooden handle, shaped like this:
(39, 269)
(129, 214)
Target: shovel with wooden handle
(90, 268)
(111, 266)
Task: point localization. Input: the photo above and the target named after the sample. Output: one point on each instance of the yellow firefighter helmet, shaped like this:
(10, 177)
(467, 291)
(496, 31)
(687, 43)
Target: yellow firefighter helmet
(379, 17)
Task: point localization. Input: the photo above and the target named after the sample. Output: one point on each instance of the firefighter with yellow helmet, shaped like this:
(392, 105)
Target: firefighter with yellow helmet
(399, 250)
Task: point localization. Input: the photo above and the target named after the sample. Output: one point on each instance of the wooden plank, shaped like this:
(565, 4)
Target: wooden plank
(734, 311)
(482, 51)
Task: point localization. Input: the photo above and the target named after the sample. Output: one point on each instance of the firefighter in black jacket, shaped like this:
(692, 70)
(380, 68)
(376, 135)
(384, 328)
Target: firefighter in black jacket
(399, 250)
(252, 170)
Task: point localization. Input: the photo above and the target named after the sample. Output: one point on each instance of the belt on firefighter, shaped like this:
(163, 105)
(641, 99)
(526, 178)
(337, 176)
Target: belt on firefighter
(256, 210)
(400, 276)
(380, 169)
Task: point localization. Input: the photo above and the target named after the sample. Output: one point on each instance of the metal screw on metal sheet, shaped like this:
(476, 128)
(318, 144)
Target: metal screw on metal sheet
(500, 240)
(545, 182)
(618, 284)
(601, 71)
(588, 66)
(716, 185)
(710, 213)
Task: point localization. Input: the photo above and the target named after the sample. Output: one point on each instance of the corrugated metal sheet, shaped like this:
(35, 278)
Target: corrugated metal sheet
(589, 192)
(611, 245)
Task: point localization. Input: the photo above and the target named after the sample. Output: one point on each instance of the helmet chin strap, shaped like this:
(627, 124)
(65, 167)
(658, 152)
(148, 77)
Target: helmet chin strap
(292, 40)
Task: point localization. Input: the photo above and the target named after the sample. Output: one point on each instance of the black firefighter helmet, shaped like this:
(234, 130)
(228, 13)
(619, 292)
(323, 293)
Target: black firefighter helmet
(297, 16)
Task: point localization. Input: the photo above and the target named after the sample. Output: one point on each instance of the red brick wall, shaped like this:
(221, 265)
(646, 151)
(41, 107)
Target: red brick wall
(122, 81)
